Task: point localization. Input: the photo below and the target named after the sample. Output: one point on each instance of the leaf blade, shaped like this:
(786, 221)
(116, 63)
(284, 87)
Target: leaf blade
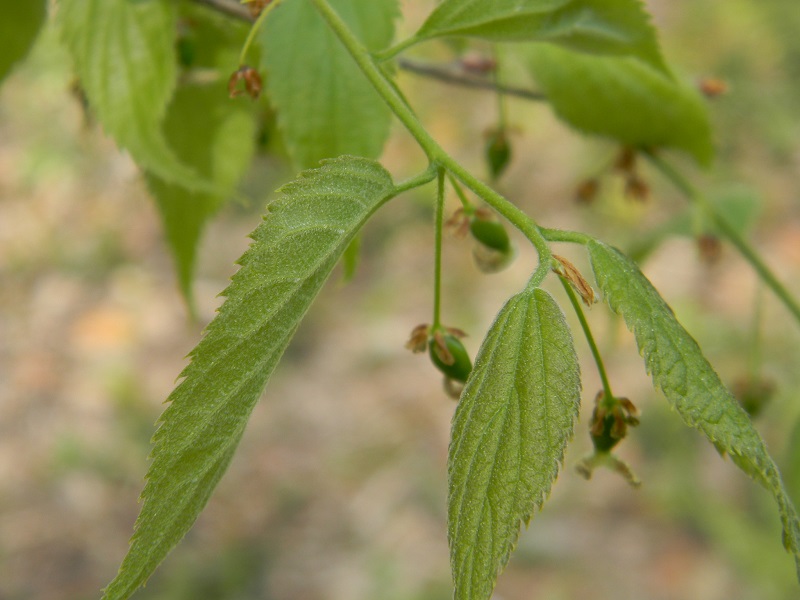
(124, 53)
(509, 434)
(18, 31)
(624, 99)
(216, 137)
(690, 384)
(326, 107)
(294, 250)
(620, 27)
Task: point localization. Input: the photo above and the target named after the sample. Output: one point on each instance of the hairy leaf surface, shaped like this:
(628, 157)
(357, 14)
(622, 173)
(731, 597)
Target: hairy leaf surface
(19, 27)
(215, 136)
(688, 381)
(293, 252)
(510, 430)
(593, 26)
(124, 53)
(624, 99)
(325, 105)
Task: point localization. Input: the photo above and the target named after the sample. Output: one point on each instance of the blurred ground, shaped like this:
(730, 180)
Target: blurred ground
(338, 491)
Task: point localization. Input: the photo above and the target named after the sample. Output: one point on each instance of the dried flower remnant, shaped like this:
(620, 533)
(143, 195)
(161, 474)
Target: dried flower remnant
(586, 191)
(573, 276)
(710, 248)
(712, 87)
(636, 188)
(478, 64)
(251, 79)
(418, 341)
(608, 426)
(257, 6)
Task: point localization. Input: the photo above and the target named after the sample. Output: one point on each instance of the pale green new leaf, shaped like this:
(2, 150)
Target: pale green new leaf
(215, 136)
(325, 105)
(19, 26)
(294, 250)
(688, 381)
(124, 53)
(594, 26)
(624, 99)
(510, 430)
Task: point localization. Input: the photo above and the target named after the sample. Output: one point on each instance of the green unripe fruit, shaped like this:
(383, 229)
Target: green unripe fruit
(490, 233)
(604, 441)
(498, 153)
(452, 360)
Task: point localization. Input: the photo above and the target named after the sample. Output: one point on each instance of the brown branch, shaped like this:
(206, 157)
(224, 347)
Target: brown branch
(454, 75)
(230, 8)
(446, 73)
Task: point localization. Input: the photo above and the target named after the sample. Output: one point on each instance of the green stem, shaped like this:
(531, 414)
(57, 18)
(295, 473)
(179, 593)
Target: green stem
(254, 30)
(437, 268)
(561, 235)
(426, 176)
(435, 153)
(601, 369)
(502, 115)
(393, 51)
(468, 207)
(729, 232)
(755, 342)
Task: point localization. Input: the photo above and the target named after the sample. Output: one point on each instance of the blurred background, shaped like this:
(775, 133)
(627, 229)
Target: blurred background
(338, 490)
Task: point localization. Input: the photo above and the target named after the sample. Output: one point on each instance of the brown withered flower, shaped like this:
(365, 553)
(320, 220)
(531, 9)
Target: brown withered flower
(251, 79)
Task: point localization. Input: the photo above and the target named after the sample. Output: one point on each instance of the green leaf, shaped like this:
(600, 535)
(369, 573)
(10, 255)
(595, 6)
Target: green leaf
(19, 27)
(325, 105)
(208, 39)
(593, 26)
(688, 381)
(294, 250)
(624, 99)
(510, 430)
(216, 137)
(124, 53)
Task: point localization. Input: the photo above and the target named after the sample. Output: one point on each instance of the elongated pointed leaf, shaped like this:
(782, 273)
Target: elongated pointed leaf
(688, 381)
(293, 252)
(509, 434)
(215, 136)
(19, 27)
(593, 26)
(325, 105)
(124, 53)
(624, 99)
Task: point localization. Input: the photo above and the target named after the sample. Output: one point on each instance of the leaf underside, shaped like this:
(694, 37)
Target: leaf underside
(690, 384)
(510, 431)
(124, 54)
(617, 27)
(624, 99)
(325, 105)
(302, 237)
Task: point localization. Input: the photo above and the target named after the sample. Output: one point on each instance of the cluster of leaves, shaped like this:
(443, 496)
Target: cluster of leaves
(155, 74)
